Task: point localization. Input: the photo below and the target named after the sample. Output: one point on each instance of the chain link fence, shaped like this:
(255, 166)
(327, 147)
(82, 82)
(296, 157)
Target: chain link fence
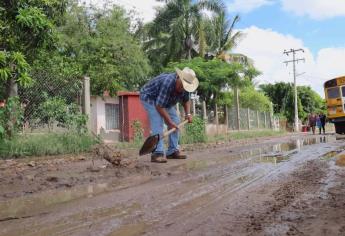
(246, 119)
(47, 100)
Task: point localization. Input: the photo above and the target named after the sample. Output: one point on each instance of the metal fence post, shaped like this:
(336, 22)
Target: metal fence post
(87, 102)
(265, 120)
(193, 106)
(237, 107)
(248, 117)
(217, 119)
(204, 110)
(226, 118)
(258, 119)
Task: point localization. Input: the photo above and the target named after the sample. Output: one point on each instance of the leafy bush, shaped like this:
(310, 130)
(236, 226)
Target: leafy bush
(138, 132)
(11, 116)
(56, 111)
(194, 132)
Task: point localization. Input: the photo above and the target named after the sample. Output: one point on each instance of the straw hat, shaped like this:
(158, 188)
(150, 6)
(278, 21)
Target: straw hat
(189, 81)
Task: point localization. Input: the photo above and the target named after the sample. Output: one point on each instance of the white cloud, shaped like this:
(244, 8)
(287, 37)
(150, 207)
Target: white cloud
(245, 6)
(315, 9)
(145, 9)
(266, 48)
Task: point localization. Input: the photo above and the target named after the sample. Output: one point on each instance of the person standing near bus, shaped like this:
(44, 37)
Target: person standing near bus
(312, 122)
(323, 122)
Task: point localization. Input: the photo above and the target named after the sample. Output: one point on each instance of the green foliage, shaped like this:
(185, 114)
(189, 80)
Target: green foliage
(220, 33)
(99, 43)
(255, 100)
(46, 144)
(176, 28)
(26, 27)
(311, 101)
(14, 66)
(56, 111)
(138, 132)
(282, 96)
(215, 76)
(11, 117)
(194, 132)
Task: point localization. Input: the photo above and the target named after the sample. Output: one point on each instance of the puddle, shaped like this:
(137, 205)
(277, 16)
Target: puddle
(281, 152)
(275, 159)
(32, 205)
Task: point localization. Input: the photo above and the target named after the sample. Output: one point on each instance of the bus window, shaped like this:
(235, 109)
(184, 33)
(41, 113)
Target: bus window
(333, 93)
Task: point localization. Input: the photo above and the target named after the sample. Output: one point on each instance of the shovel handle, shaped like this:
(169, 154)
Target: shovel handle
(166, 133)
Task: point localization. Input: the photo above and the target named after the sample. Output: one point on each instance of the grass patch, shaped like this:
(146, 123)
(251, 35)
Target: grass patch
(46, 144)
(238, 135)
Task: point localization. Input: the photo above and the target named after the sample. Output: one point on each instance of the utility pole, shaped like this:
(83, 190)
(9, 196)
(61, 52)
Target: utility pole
(294, 60)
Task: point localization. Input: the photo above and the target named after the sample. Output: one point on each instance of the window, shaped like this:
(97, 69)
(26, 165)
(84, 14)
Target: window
(333, 92)
(111, 116)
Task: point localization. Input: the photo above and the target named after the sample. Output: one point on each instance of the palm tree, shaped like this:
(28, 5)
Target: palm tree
(225, 37)
(181, 19)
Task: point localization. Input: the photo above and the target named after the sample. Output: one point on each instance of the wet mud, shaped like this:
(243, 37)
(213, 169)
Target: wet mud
(291, 185)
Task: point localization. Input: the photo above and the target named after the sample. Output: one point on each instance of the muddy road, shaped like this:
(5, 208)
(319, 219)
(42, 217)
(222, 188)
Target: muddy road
(291, 185)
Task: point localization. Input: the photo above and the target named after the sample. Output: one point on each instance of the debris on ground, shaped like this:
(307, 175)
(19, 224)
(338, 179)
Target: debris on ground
(111, 155)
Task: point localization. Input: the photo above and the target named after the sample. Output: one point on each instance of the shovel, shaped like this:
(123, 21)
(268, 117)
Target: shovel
(151, 142)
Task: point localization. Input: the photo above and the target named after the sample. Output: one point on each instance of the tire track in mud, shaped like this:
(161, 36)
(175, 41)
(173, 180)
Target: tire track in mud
(304, 180)
(171, 202)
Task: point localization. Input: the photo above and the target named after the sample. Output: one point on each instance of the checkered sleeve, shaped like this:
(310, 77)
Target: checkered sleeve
(164, 92)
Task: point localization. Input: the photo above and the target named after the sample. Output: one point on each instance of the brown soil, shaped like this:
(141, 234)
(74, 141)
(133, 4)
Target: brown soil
(291, 185)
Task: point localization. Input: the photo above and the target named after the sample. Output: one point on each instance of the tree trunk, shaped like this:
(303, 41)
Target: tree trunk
(189, 45)
(11, 88)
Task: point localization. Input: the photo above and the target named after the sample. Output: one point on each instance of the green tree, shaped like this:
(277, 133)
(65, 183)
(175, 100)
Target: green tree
(255, 100)
(221, 34)
(216, 76)
(282, 96)
(99, 43)
(310, 100)
(25, 28)
(179, 24)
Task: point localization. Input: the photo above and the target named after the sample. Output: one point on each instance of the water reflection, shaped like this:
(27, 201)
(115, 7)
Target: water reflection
(32, 205)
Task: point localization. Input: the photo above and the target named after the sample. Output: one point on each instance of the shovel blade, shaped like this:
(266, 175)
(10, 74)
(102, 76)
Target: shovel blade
(149, 145)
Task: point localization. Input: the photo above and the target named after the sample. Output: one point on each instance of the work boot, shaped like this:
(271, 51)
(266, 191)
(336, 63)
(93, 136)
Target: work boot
(158, 158)
(176, 155)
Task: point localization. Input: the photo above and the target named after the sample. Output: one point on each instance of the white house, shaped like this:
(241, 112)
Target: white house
(105, 117)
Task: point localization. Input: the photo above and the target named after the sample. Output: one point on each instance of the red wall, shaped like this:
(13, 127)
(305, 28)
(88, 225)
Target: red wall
(131, 109)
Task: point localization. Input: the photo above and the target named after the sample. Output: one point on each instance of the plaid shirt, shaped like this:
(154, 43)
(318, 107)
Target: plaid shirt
(160, 91)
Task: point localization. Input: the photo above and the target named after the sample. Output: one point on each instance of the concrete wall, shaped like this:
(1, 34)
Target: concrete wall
(211, 129)
(98, 118)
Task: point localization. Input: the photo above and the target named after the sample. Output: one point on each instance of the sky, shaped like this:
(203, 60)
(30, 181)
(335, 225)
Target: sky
(272, 26)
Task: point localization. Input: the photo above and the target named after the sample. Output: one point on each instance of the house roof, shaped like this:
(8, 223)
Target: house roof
(127, 93)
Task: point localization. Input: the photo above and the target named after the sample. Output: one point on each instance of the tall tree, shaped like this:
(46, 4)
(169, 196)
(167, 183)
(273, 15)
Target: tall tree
(179, 21)
(25, 28)
(100, 44)
(216, 76)
(222, 35)
(282, 97)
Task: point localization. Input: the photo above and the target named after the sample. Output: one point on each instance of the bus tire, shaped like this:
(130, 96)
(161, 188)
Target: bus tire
(340, 127)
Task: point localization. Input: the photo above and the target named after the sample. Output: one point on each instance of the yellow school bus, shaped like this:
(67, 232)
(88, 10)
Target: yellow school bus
(335, 101)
